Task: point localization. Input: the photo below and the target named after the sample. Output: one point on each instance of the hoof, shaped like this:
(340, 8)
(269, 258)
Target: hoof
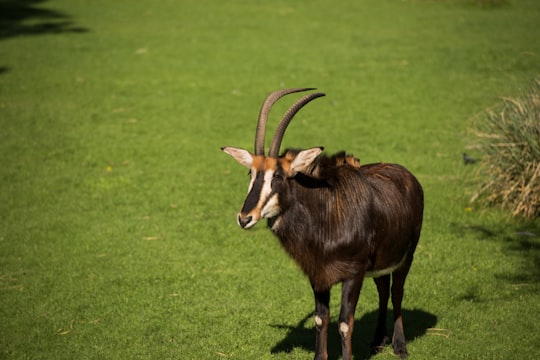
(378, 344)
(400, 349)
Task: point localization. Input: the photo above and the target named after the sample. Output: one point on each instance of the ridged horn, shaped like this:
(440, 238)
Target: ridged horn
(280, 130)
(263, 115)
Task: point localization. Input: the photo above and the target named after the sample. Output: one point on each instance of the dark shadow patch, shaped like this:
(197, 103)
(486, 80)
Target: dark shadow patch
(302, 335)
(525, 247)
(25, 17)
(471, 294)
(520, 242)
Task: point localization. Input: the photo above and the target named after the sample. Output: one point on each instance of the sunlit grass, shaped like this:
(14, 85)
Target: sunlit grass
(118, 237)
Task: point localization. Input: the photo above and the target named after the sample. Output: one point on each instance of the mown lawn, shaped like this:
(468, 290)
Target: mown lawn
(118, 237)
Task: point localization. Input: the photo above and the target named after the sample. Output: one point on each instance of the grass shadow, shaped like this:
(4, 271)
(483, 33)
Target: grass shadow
(524, 245)
(520, 241)
(25, 17)
(416, 323)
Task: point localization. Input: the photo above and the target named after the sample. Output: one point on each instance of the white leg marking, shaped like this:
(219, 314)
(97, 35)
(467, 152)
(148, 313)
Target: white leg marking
(344, 328)
(318, 320)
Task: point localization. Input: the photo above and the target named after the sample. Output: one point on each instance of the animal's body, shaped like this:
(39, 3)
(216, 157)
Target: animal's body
(341, 222)
(347, 223)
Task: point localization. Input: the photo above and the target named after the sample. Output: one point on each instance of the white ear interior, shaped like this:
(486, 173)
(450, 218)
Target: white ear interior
(244, 157)
(304, 159)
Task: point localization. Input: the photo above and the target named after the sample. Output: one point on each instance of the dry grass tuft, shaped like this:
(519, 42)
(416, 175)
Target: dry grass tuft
(510, 139)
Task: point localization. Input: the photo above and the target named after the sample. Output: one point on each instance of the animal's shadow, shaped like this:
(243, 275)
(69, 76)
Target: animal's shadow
(302, 335)
(28, 17)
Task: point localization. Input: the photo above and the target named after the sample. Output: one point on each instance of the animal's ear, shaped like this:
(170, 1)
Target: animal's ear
(244, 157)
(304, 159)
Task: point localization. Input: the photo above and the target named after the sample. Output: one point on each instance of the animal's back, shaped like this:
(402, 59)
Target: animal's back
(381, 175)
(399, 204)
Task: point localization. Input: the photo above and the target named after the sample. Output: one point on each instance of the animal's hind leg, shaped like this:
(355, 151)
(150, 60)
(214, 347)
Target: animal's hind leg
(398, 282)
(383, 288)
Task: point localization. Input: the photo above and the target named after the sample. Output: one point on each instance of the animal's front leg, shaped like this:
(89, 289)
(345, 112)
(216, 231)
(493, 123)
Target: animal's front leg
(349, 299)
(322, 318)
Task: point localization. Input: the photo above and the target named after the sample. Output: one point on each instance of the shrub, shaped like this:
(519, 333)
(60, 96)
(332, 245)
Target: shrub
(510, 140)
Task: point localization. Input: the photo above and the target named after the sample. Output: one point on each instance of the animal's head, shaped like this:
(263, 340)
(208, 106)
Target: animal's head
(268, 173)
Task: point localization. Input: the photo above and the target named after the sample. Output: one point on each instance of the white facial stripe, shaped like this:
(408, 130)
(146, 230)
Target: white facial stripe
(267, 206)
(270, 206)
(252, 180)
(266, 188)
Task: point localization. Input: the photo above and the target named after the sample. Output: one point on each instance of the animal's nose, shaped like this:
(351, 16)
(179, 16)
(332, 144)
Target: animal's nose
(244, 221)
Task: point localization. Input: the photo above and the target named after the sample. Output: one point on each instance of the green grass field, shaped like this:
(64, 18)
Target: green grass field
(118, 237)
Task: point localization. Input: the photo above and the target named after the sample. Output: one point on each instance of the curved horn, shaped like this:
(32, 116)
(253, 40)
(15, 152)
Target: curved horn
(263, 115)
(280, 130)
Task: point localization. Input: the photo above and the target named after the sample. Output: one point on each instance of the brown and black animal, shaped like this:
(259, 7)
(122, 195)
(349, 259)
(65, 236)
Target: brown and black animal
(341, 222)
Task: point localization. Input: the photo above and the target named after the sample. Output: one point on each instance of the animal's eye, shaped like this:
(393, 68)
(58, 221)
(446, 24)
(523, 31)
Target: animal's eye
(276, 176)
(277, 179)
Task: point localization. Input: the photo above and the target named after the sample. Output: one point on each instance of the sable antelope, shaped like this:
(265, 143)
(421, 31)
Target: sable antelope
(341, 222)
